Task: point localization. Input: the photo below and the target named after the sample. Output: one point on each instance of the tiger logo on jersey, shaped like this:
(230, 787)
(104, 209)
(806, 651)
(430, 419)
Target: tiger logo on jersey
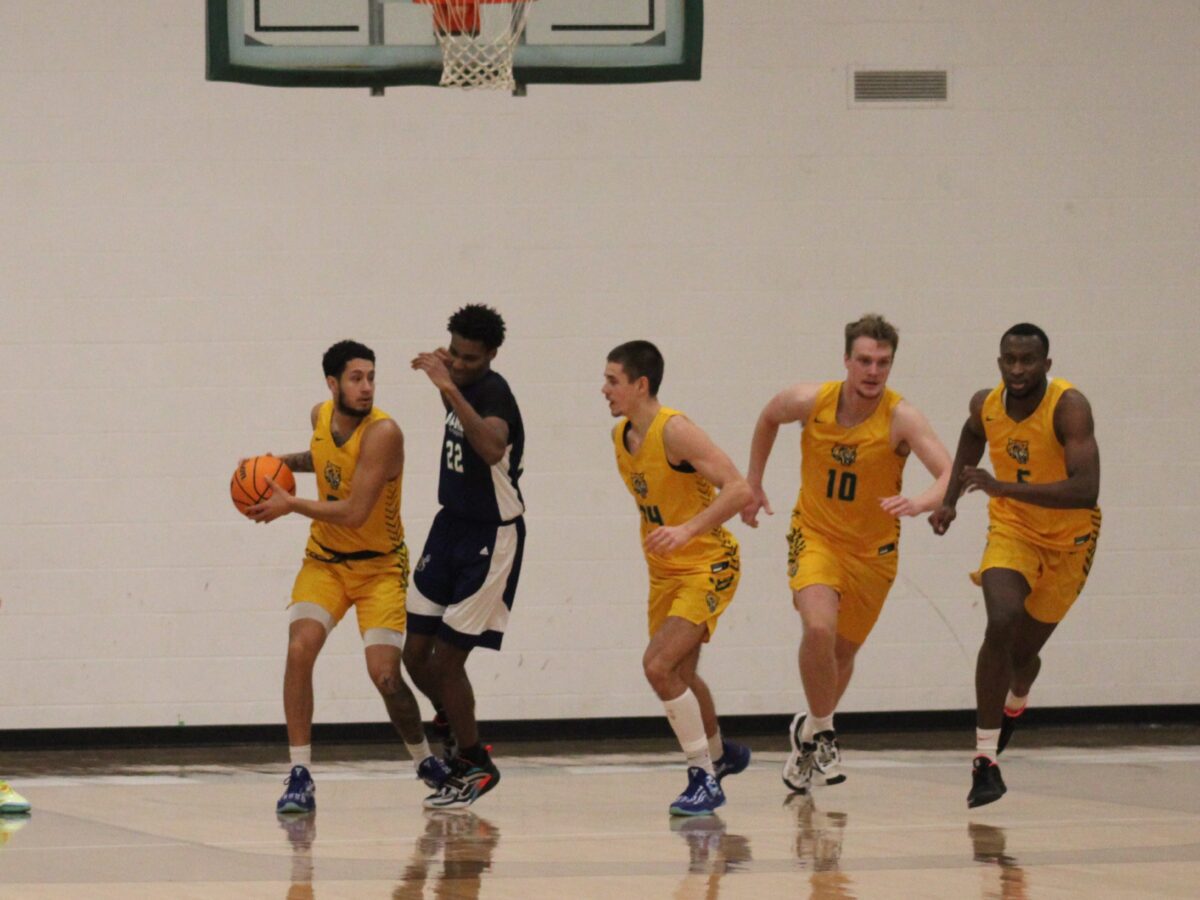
(333, 475)
(845, 454)
(711, 601)
(639, 484)
(1019, 450)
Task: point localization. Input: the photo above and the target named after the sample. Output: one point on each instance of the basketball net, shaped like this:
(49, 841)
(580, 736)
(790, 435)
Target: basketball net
(477, 50)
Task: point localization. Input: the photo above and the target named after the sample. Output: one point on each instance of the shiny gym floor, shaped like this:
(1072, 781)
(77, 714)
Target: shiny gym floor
(1082, 818)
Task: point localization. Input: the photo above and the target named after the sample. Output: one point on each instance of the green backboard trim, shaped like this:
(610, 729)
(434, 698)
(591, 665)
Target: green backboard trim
(220, 67)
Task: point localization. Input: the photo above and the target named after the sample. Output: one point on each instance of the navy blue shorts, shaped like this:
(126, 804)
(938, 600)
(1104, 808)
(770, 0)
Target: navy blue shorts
(465, 580)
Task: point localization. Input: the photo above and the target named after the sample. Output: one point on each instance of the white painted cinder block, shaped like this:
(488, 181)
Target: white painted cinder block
(176, 255)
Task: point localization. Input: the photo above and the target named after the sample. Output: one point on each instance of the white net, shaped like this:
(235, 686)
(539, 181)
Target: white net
(478, 38)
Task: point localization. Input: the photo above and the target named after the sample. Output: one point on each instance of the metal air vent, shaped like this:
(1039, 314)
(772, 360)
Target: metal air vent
(906, 86)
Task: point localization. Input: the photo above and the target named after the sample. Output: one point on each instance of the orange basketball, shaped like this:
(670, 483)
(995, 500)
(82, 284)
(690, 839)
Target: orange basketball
(249, 483)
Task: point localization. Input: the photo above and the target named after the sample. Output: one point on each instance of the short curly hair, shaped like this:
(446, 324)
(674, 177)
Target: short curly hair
(477, 322)
(875, 327)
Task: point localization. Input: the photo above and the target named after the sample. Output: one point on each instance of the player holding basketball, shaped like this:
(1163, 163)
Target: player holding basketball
(843, 547)
(1042, 531)
(674, 472)
(355, 557)
(467, 575)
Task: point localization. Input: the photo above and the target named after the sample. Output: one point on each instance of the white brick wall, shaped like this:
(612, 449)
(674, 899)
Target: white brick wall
(175, 255)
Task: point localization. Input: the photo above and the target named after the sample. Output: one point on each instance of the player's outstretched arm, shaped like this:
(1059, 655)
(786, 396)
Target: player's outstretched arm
(792, 404)
(1075, 429)
(910, 428)
(972, 441)
(381, 458)
(686, 442)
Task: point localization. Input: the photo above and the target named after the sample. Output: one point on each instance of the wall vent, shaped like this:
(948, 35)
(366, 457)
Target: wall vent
(905, 86)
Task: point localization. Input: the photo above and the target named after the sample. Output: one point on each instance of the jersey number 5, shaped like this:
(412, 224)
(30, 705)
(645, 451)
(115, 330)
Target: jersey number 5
(454, 456)
(845, 485)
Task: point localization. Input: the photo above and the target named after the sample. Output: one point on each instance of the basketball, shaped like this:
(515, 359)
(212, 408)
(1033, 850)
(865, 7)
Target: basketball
(249, 483)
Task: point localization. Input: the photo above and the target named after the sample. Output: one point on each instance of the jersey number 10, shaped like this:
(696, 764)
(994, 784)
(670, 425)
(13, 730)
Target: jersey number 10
(845, 485)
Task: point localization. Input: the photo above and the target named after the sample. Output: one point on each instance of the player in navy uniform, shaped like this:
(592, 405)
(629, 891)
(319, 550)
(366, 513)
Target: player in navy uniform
(467, 574)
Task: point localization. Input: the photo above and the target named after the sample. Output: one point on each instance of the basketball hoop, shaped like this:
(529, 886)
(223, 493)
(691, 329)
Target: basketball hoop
(477, 48)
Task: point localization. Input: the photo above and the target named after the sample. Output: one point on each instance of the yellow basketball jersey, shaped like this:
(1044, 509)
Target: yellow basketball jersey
(670, 495)
(383, 532)
(845, 472)
(1029, 451)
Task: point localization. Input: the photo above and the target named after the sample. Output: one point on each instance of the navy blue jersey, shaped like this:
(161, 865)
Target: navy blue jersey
(468, 486)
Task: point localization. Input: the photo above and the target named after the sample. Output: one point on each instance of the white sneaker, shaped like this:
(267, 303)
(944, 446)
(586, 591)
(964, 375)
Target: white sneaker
(828, 764)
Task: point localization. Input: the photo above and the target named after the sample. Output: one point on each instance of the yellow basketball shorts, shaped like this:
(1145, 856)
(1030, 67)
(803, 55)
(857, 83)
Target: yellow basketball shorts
(699, 596)
(862, 582)
(376, 588)
(1056, 577)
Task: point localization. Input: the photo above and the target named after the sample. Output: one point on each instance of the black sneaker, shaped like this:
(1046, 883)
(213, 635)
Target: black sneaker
(986, 784)
(483, 775)
(1007, 726)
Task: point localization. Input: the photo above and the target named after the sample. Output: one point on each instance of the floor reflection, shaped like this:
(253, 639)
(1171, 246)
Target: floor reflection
(819, 835)
(301, 830)
(12, 823)
(452, 854)
(713, 853)
(1005, 879)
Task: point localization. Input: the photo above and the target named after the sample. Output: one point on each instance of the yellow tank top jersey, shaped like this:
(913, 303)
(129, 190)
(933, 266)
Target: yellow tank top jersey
(666, 495)
(1029, 451)
(383, 532)
(845, 472)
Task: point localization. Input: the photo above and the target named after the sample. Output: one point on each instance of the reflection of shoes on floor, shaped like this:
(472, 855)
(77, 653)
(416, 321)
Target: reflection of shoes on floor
(702, 797)
(986, 784)
(11, 823)
(11, 803)
(704, 836)
(301, 828)
(300, 794)
(1007, 726)
(734, 758)
(819, 834)
(989, 844)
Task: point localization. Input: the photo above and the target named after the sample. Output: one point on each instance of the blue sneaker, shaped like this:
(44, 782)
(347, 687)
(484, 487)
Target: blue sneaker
(433, 771)
(734, 759)
(702, 797)
(300, 795)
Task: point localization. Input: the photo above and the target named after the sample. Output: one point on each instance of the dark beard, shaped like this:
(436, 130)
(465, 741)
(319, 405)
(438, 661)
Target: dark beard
(347, 411)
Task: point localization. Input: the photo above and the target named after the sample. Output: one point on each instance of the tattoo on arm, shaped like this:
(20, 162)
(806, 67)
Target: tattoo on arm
(298, 462)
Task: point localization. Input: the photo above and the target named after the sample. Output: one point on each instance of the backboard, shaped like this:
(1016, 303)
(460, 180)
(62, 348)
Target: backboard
(380, 43)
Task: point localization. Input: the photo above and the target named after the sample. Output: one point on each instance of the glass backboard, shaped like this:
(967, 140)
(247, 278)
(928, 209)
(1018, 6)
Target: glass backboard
(380, 43)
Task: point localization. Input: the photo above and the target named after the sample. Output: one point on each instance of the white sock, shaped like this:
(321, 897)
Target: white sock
(716, 748)
(1015, 704)
(684, 715)
(987, 742)
(418, 752)
(301, 756)
(817, 724)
